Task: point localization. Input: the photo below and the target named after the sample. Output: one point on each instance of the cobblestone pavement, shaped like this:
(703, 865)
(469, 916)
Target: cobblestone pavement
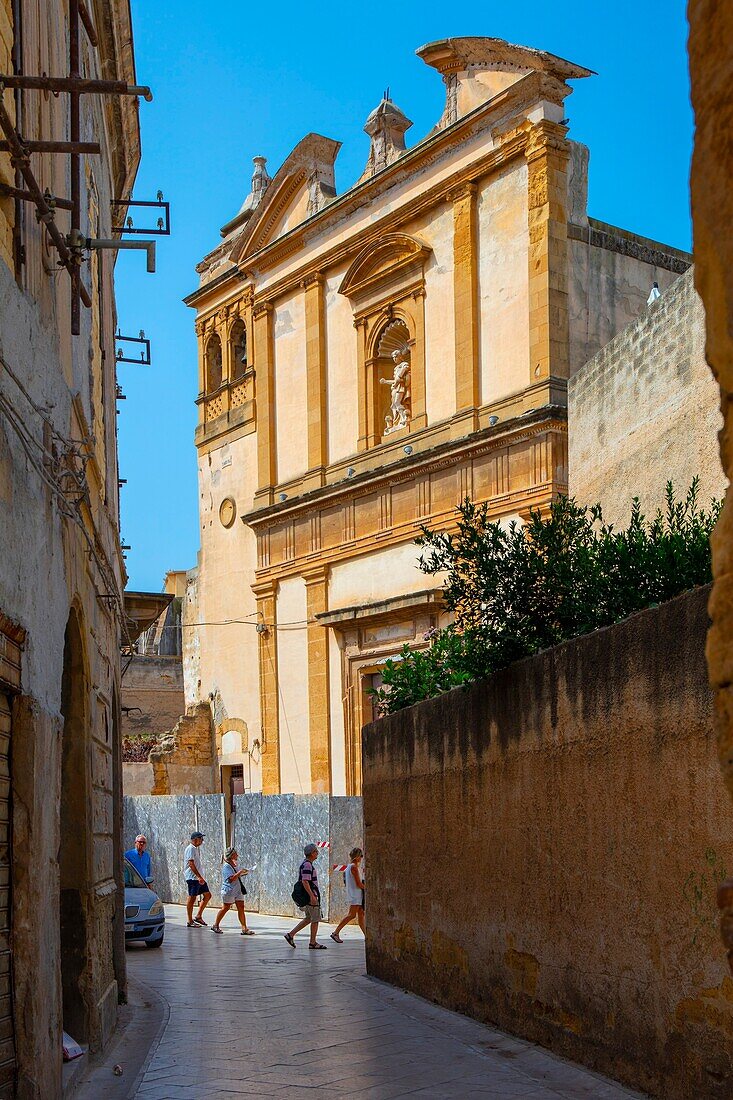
(251, 1017)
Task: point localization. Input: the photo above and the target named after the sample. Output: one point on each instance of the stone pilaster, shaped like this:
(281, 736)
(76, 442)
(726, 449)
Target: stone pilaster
(319, 723)
(264, 362)
(315, 362)
(266, 595)
(547, 155)
(465, 305)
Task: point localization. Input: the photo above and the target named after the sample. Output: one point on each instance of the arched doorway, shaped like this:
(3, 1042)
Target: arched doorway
(74, 840)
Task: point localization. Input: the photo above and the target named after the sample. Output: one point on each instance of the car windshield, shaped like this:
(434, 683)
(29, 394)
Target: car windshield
(132, 878)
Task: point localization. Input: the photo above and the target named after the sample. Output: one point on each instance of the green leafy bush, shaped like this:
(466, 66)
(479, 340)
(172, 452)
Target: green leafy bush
(516, 590)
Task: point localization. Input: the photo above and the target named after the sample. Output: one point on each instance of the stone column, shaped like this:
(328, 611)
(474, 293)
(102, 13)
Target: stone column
(319, 723)
(266, 595)
(547, 155)
(315, 363)
(465, 306)
(264, 363)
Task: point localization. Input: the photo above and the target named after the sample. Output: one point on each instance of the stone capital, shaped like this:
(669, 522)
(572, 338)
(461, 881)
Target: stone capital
(313, 278)
(464, 190)
(262, 307)
(544, 137)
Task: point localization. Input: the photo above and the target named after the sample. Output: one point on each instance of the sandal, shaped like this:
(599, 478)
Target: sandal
(335, 938)
(201, 923)
(191, 924)
(246, 932)
(289, 938)
(217, 930)
(317, 947)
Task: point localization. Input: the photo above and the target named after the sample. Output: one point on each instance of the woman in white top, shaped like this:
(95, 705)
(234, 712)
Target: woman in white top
(232, 892)
(354, 893)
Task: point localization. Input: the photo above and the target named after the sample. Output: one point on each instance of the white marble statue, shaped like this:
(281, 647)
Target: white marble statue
(399, 413)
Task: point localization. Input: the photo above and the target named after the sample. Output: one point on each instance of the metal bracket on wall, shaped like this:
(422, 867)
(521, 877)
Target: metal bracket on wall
(164, 222)
(69, 246)
(144, 360)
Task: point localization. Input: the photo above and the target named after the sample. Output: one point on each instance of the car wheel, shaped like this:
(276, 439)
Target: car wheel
(155, 943)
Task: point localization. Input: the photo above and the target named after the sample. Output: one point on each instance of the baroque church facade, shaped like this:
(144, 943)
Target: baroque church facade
(366, 361)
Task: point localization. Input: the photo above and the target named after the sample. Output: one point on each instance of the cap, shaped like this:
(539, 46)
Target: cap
(197, 836)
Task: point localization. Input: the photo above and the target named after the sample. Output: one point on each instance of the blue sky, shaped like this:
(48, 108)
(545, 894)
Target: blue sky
(234, 80)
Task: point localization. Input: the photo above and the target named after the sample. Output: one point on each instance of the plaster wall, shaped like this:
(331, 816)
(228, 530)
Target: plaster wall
(342, 371)
(503, 262)
(628, 407)
(155, 685)
(440, 374)
(375, 577)
(290, 388)
(137, 778)
(292, 660)
(582, 825)
(223, 654)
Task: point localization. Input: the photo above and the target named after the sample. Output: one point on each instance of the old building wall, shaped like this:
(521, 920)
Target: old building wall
(62, 575)
(547, 844)
(629, 409)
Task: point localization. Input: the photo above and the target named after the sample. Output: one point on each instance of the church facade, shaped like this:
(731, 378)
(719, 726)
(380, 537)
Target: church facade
(366, 361)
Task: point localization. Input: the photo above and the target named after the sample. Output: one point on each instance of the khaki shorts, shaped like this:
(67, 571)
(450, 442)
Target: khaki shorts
(312, 912)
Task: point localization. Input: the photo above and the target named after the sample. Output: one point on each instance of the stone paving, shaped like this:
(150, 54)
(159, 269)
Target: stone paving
(251, 1017)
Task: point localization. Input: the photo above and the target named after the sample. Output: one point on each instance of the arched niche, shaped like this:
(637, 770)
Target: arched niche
(238, 351)
(74, 850)
(213, 363)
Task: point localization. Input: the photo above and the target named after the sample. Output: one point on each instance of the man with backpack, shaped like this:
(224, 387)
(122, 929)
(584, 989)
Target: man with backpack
(307, 897)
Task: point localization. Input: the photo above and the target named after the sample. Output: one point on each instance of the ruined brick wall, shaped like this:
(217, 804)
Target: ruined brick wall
(185, 760)
(547, 845)
(646, 410)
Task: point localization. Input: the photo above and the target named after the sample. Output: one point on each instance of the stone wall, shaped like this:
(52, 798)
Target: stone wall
(269, 831)
(711, 49)
(646, 410)
(547, 844)
(184, 761)
(152, 695)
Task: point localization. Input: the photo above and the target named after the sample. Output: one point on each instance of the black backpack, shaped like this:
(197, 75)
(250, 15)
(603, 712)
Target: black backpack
(300, 894)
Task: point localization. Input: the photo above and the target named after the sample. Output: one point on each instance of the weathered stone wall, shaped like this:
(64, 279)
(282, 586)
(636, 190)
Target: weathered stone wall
(711, 66)
(646, 410)
(155, 686)
(269, 831)
(547, 844)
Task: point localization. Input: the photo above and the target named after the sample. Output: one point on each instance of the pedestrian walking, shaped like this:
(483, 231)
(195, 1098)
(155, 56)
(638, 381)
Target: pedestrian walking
(307, 897)
(232, 892)
(354, 894)
(195, 881)
(139, 857)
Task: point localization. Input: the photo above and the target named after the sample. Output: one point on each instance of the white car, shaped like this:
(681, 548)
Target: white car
(144, 912)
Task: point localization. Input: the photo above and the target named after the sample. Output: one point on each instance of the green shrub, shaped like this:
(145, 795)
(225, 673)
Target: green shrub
(516, 590)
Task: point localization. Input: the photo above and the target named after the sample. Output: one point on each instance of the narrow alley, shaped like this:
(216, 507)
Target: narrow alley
(251, 1017)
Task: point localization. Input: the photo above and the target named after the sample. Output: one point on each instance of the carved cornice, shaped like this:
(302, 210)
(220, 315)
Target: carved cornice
(525, 427)
(546, 136)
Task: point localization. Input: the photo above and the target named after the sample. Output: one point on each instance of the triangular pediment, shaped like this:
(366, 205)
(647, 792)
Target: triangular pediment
(302, 186)
(389, 259)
